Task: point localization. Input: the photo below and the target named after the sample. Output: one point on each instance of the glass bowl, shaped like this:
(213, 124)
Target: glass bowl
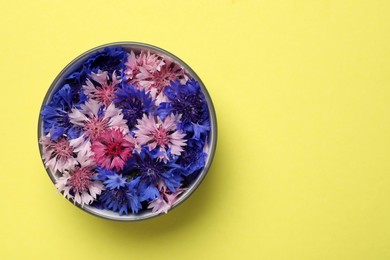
(77, 65)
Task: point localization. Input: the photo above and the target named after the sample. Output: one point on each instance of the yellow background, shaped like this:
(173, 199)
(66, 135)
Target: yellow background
(301, 90)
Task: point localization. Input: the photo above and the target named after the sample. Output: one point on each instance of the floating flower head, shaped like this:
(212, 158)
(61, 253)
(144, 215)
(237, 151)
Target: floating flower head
(93, 120)
(153, 75)
(142, 65)
(133, 103)
(112, 149)
(55, 114)
(151, 171)
(79, 183)
(58, 155)
(188, 101)
(115, 181)
(104, 90)
(154, 132)
(121, 197)
(166, 199)
(110, 59)
(194, 156)
(149, 168)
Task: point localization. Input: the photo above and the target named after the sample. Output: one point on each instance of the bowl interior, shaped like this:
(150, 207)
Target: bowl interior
(136, 47)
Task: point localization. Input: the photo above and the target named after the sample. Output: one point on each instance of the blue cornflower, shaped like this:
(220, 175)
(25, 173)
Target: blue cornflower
(148, 191)
(77, 78)
(110, 59)
(55, 114)
(115, 181)
(188, 100)
(193, 158)
(122, 199)
(151, 170)
(133, 103)
(102, 174)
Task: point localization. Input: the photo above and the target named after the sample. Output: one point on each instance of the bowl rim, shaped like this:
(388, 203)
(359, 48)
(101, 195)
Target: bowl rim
(111, 215)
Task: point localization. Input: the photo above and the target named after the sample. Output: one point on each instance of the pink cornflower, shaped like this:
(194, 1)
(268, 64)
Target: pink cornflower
(94, 123)
(153, 73)
(78, 183)
(144, 64)
(154, 132)
(166, 200)
(104, 91)
(156, 82)
(112, 149)
(57, 155)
